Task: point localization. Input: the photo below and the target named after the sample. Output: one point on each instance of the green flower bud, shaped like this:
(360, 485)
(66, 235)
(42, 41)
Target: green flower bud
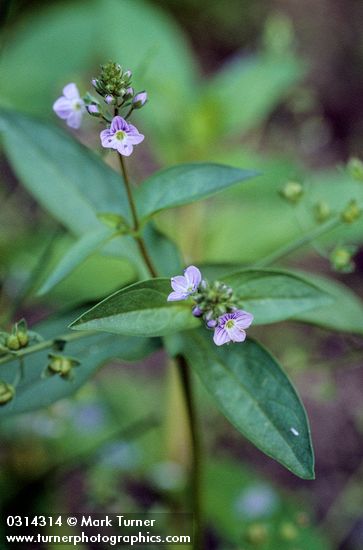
(322, 211)
(257, 534)
(113, 81)
(7, 392)
(288, 531)
(292, 191)
(355, 168)
(341, 259)
(61, 365)
(352, 212)
(13, 342)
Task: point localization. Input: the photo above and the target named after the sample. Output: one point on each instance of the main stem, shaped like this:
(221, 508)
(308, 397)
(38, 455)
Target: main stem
(135, 220)
(184, 378)
(196, 472)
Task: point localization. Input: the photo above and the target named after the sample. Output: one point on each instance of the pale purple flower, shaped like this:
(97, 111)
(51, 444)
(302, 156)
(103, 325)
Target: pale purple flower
(139, 100)
(231, 327)
(185, 285)
(70, 106)
(122, 136)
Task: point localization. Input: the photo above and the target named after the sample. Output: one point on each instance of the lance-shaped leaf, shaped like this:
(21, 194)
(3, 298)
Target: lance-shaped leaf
(273, 295)
(92, 350)
(68, 180)
(186, 183)
(76, 255)
(345, 313)
(140, 309)
(256, 396)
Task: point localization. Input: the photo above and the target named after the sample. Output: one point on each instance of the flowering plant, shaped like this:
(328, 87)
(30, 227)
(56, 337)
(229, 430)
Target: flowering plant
(199, 318)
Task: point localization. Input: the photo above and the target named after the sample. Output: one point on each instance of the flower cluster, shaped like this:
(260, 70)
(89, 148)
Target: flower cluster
(215, 303)
(114, 87)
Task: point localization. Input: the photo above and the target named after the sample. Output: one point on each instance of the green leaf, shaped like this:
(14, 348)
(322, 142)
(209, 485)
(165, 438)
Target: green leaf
(273, 295)
(256, 396)
(164, 253)
(184, 184)
(344, 314)
(140, 309)
(92, 351)
(70, 181)
(75, 256)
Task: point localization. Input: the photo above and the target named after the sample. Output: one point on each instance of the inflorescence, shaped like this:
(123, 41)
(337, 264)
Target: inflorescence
(114, 85)
(215, 303)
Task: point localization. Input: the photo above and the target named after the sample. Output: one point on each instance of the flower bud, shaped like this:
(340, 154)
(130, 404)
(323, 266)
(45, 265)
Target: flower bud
(341, 259)
(351, 213)
(288, 531)
(94, 82)
(129, 93)
(292, 191)
(7, 392)
(13, 343)
(197, 312)
(109, 99)
(93, 109)
(61, 365)
(212, 323)
(127, 75)
(139, 100)
(322, 211)
(355, 168)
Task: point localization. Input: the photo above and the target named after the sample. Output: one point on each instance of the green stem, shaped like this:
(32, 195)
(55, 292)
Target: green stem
(46, 344)
(196, 474)
(286, 249)
(136, 225)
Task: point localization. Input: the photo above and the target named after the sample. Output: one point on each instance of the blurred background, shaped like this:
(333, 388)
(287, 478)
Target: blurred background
(269, 85)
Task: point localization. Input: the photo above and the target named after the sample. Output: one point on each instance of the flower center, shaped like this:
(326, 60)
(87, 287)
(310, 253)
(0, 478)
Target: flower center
(230, 323)
(120, 135)
(77, 106)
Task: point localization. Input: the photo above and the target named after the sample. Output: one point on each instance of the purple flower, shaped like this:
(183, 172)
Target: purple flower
(231, 327)
(139, 100)
(185, 285)
(121, 136)
(70, 106)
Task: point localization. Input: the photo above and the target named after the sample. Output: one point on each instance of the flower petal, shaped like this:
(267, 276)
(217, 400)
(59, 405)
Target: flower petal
(71, 91)
(243, 319)
(124, 148)
(135, 139)
(62, 107)
(220, 336)
(74, 119)
(175, 296)
(179, 283)
(193, 276)
(236, 334)
(117, 124)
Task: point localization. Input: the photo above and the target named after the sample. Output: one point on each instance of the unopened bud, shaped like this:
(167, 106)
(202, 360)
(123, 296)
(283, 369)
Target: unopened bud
(292, 191)
(139, 100)
(93, 110)
(212, 323)
(13, 343)
(322, 211)
(127, 75)
(352, 212)
(288, 531)
(109, 99)
(341, 259)
(129, 93)
(197, 312)
(7, 392)
(61, 365)
(355, 168)
(257, 534)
